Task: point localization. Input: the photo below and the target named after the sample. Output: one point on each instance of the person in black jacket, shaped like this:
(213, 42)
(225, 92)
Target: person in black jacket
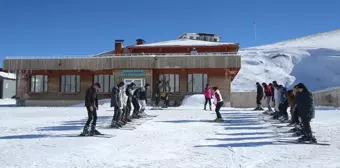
(143, 98)
(129, 94)
(305, 105)
(135, 103)
(259, 96)
(116, 102)
(91, 104)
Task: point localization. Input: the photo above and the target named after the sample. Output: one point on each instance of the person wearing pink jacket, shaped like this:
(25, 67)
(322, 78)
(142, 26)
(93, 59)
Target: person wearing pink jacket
(208, 96)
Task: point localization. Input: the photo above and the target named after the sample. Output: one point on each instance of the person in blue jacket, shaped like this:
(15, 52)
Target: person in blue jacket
(283, 106)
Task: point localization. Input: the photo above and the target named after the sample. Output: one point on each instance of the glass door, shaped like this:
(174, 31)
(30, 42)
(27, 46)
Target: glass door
(139, 82)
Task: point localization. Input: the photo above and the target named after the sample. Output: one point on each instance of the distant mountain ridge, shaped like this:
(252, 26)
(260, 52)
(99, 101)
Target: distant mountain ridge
(313, 59)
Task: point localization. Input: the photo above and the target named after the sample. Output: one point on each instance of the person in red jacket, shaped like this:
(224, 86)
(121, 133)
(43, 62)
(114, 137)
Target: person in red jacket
(219, 104)
(208, 96)
(268, 93)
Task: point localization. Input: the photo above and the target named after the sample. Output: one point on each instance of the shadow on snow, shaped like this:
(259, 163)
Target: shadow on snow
(247, 128)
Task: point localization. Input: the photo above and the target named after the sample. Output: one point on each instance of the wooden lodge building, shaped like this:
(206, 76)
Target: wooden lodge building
(185, 65)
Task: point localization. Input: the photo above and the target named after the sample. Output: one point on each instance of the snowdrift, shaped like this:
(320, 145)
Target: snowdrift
(313, 60)
(8, 75)
(7, 101)
(196, 100)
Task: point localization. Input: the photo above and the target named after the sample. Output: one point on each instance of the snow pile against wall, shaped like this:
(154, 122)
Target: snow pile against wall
(7, 102)
(193, 101)
(7, 75)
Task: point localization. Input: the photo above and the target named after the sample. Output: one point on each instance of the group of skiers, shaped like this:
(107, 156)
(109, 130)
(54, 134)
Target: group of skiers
(209, 93)
(300, 101)
(121, 101)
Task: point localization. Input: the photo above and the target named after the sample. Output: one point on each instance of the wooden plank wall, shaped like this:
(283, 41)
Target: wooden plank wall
(123, 62)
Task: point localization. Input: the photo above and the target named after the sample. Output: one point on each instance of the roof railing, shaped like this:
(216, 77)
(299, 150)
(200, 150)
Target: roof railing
(126, 55)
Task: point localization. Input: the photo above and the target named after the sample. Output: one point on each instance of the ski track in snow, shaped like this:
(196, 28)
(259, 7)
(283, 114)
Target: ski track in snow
(177, 137)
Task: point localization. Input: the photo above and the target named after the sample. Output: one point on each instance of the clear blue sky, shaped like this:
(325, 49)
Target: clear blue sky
(83, 27)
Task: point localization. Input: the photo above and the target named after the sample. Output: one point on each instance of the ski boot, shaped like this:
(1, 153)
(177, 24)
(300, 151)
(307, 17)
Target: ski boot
(297, 133)
(135, 116)
(310, 138)
(218, 120)
(291, 124)
(94, 131)
(119, 124)
(85, 131)
(114, 125)
(293, 130)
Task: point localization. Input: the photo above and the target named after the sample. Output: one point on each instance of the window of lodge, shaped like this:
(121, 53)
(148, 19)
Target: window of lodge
(39, 83)
(197, 82)
(170, 82)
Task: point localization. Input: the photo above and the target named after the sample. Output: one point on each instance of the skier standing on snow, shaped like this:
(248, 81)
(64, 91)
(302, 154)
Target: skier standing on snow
(219, 104)
(125, 116)
(292, 103)
(283, 115)
(116, 102)
(91, 104)
(208, 96)
(268, 96)
(158, 93)
(143, 98)
(135, 103)
(305, 104)
(277, 96)
(129, 94)
(259, 96)
(272, 88)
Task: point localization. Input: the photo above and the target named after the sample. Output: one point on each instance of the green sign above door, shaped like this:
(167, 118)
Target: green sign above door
(132, 73)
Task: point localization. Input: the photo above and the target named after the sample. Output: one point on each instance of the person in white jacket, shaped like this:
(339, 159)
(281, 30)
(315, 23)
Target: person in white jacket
(277, 96)
(125, 116)
(116, 102)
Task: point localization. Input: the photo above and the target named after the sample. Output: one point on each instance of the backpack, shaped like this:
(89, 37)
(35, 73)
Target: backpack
(269, 90)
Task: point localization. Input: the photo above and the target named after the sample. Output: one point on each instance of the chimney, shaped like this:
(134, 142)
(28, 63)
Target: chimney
(119, 46)
(140, 41)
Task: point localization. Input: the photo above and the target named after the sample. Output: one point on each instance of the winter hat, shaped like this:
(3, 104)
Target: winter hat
(97, 84)
(147, 84)
(257, 83)
(132, 84)
(300, 86)
(121, 84)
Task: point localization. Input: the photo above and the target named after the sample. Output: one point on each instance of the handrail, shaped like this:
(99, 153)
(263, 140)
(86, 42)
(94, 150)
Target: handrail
(125, 55)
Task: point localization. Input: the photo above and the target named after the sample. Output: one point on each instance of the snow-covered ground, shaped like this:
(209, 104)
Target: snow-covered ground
(313, 60)
(177, 137)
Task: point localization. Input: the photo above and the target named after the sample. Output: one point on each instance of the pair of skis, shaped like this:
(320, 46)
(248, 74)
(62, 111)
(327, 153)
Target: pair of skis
(96, 135)
(303, 142)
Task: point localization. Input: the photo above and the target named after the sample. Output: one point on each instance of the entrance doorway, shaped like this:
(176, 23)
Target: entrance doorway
(138, 81)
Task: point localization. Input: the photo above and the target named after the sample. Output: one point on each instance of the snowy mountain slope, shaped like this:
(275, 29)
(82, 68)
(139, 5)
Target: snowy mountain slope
(313, 60)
